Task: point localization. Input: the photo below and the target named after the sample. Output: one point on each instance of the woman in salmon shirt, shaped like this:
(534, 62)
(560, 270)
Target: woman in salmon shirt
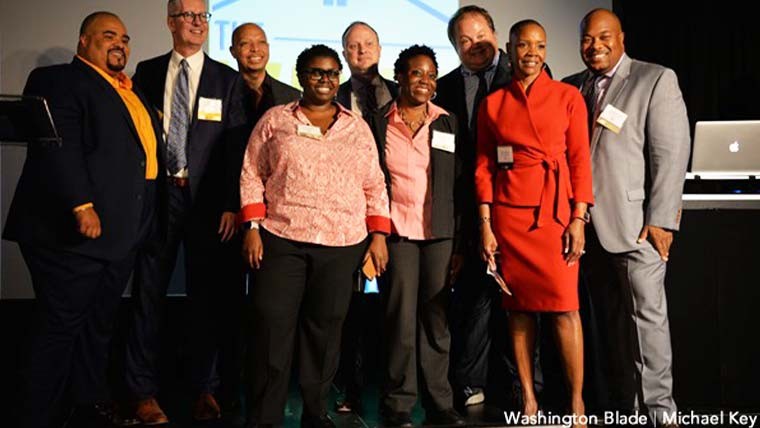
(416, 142)
(533, 183)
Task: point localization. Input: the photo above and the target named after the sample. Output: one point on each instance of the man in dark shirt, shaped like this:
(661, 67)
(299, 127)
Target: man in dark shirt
(475, 301)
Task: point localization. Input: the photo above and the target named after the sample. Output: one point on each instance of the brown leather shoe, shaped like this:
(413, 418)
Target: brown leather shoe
(206, 408)
(149, 412)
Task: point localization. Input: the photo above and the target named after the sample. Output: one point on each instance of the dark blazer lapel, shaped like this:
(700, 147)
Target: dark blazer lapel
(154, 120)
(502, 76)
(344, 94)
(618, 83)
(204, 88)
(112, 94)
(392, 87)
(280, 93)
(461, 107)
(157, 88)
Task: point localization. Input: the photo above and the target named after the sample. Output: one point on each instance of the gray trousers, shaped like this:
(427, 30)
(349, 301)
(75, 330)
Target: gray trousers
(628, 294)
(416, 325)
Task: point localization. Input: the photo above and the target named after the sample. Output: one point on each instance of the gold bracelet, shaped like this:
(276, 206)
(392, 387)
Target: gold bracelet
(83, 207)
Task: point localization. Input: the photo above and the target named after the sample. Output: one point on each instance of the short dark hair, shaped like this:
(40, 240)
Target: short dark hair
(584, 20)
(89, 19)
(315, 51)
(402, 62)
(515, 29)
(352, 25)
(459, 14)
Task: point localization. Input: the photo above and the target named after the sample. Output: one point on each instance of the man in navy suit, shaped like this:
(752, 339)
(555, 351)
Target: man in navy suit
(192, 93)
(80, 213)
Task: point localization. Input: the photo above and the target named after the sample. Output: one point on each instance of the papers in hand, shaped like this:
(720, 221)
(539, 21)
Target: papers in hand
(368, 269)
(494, 272)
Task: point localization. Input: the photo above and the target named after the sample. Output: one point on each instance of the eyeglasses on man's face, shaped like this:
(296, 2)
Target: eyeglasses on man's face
(189, 17)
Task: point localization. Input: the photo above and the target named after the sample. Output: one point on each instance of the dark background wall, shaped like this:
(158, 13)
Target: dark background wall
(714, 47)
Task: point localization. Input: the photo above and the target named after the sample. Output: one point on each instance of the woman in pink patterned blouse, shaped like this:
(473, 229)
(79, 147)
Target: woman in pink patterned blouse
(311, 189)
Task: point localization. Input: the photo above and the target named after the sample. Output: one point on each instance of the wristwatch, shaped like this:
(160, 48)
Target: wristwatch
(248, 225)
(585, 217)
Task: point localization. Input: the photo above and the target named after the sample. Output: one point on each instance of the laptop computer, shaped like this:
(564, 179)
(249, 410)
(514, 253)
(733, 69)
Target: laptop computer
(726, 148)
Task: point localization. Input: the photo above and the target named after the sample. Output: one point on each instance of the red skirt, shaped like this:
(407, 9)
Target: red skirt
(532, 261)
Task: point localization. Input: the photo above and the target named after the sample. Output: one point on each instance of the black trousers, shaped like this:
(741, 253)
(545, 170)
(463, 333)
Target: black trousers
(481, 353)
(77, 302)
(473, 302)
(360, 341)
(416, 325)
(300, 295)
(215, 289)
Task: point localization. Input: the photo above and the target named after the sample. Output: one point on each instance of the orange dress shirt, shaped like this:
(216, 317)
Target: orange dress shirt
(139, 114)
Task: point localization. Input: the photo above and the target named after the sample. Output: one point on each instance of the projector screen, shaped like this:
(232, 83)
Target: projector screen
(293, 25)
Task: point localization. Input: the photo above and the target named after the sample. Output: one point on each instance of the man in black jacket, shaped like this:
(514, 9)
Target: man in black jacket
(484, 69)
(365, 93)
(80, 213)
(254, 92)
(192, 93)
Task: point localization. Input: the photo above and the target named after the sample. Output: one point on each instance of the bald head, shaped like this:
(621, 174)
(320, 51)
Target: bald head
(104, 42)
(604, 14)
(245, 28)
(250, 48)
(91, 18)
(602, 40)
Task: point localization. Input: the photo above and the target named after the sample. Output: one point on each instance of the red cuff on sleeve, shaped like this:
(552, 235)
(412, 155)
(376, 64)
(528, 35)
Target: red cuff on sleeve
(252, 211)
(378, 223)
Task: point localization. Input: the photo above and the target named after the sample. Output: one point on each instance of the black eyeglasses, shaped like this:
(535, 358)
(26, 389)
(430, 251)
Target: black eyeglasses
(189, 17)
(318, 74)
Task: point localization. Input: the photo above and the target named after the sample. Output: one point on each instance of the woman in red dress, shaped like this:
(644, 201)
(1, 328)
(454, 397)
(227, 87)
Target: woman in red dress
(533, 183)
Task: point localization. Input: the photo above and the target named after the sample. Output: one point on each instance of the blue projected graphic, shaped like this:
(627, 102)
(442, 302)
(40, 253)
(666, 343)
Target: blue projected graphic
(292, 25)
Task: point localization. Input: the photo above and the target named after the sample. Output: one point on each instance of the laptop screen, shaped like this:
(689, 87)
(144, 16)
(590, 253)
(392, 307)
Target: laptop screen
(726, 147)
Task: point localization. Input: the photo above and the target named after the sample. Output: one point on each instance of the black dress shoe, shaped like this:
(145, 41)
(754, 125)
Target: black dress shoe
(397, 420)
(90, 416)
(448, 417)
(322, 421)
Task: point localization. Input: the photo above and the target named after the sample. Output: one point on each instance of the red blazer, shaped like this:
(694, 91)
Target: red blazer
(548, 131)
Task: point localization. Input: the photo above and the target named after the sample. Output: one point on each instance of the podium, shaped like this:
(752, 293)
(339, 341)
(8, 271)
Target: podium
(26, 120)
(713, 294)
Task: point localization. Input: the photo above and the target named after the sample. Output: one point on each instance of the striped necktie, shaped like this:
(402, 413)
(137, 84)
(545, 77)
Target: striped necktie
(591, 92)
(176, 158)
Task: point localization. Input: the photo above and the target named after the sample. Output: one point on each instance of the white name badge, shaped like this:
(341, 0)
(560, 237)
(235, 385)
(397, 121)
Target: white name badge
(504, 155)
(612, 118)
(309, 131)
(210, 109)
(444, 141)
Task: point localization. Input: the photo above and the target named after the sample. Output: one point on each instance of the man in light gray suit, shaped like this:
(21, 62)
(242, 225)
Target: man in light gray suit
(639, 148)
